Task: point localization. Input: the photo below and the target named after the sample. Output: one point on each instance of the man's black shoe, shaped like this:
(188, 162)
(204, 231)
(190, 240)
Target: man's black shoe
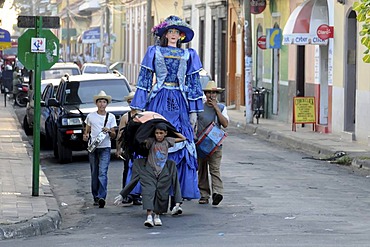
(216, 198)
(101, 203)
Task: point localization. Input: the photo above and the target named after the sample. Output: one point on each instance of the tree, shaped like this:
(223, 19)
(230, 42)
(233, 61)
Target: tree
(363, 16)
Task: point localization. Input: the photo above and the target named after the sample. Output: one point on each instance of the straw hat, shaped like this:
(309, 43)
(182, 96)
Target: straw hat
(102, 95)
(212, 87)
(130, 96)
(174, 22)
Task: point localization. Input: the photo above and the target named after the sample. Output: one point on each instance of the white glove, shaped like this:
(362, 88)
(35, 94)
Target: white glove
(118, 200)
(193, 119)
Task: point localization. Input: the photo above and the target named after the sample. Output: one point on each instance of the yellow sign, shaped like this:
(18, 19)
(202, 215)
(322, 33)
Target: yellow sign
(304, 110)
(5, 45)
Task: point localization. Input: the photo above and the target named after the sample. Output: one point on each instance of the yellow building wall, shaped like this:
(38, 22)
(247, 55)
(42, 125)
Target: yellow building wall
(363, 69)
(339, 53)
(118, 30)
(161, 9)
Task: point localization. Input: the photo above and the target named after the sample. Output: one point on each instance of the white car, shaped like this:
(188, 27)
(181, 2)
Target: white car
(94, 68)
(60, 69)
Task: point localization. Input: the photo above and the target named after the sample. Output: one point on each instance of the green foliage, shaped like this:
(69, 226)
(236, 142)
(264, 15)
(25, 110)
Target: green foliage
(345, 160)
(363, 17)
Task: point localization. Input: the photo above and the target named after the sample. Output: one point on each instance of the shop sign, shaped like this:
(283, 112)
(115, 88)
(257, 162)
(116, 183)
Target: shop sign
(325, 32)
(257, 6)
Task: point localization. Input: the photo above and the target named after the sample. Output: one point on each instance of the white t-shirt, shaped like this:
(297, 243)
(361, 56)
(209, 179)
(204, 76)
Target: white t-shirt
(96, 121)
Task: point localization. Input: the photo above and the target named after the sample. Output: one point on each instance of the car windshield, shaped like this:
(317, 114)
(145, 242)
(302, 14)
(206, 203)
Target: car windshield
(95, 70)
(58, 73)
(82, 93)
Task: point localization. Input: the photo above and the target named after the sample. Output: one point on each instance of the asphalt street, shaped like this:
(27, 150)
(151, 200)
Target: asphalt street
(272, 197)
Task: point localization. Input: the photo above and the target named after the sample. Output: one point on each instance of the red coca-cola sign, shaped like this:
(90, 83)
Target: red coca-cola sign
(325, 32)
(261, 42)
(257, 6)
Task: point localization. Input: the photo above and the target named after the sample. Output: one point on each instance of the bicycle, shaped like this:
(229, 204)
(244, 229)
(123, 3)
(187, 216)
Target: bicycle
(258, 102)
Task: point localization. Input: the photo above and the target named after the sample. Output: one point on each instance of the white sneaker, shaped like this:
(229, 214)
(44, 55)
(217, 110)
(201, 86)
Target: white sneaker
(157, 220)
(176, 210)
(149, 221)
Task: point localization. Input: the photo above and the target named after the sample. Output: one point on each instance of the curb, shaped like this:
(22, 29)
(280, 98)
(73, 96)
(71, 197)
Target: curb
(33, 227)
(361, 163)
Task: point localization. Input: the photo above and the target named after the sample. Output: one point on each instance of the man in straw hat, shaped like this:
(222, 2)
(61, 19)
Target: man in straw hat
(213, 112)
(96, 122)
(122, 151)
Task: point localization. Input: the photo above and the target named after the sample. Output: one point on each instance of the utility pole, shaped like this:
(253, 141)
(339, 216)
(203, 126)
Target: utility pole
(248, 61)
(108, 48)
(68, 48)
(107, 18)
(149, 22)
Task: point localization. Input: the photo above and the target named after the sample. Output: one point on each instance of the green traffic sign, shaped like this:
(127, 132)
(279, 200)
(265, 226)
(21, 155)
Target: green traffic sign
(47, 58)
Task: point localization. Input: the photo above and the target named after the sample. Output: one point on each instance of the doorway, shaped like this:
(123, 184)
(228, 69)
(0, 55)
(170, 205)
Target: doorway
(350, 84)
(300, 82)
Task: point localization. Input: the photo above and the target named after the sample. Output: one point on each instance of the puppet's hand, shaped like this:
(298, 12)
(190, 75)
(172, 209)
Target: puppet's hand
(193, 119)
(118, 200)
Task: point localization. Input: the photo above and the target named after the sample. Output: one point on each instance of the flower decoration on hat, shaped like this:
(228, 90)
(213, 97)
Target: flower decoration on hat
(182, 36)
(174, 22)
(155, 29)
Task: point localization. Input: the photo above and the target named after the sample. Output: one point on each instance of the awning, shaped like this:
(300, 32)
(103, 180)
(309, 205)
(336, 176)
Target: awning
(91, 36)
(91, 5)
(301, 27)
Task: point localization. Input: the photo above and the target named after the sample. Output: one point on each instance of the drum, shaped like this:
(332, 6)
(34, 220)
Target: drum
(209, 140)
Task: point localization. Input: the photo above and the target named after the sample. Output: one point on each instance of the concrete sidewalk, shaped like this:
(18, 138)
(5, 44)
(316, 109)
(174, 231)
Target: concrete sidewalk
(21, 214)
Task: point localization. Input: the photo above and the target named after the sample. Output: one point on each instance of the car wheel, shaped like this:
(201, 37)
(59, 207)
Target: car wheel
(64, 153)
(27, 129)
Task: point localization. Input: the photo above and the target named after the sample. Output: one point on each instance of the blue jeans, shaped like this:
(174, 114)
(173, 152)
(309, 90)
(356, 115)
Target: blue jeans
(99, 162)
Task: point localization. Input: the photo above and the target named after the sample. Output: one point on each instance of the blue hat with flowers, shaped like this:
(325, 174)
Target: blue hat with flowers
(174, 22)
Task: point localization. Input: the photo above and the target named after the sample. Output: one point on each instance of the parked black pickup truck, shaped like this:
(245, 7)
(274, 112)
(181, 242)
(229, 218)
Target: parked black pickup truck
(74, 100)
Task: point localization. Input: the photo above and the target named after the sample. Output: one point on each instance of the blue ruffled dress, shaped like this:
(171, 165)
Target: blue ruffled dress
(176, 93)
